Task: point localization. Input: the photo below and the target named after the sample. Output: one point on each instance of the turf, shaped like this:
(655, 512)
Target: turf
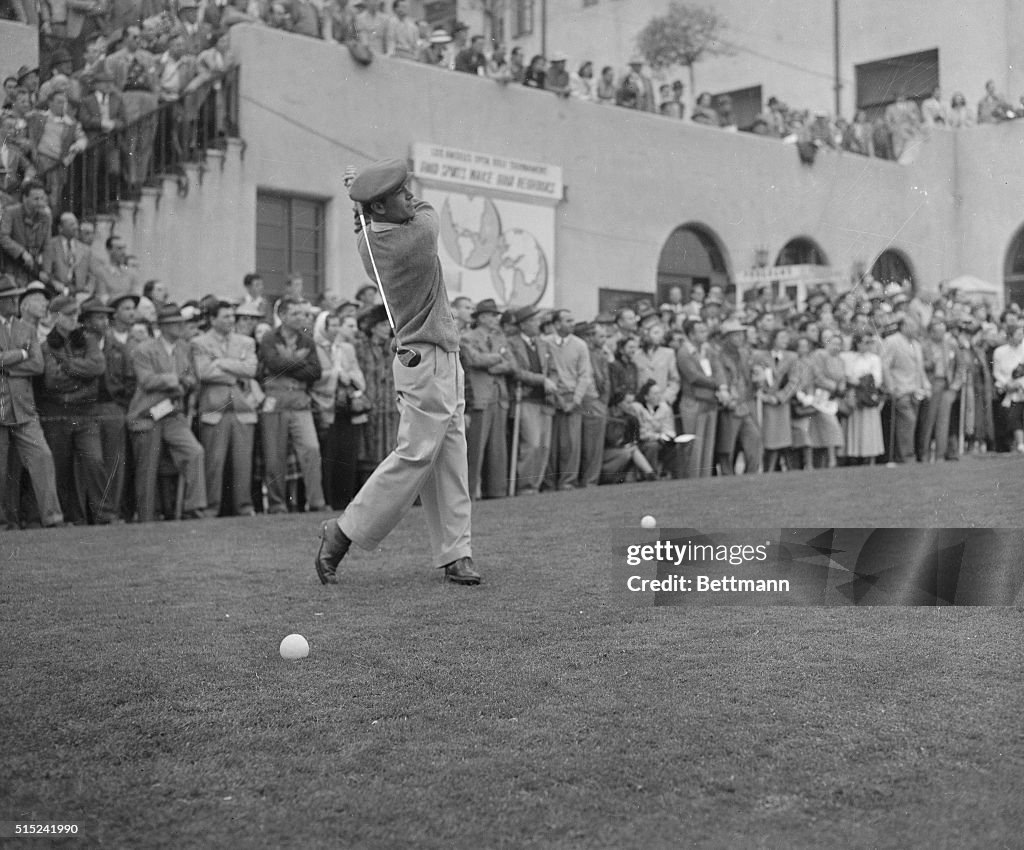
(146, 701)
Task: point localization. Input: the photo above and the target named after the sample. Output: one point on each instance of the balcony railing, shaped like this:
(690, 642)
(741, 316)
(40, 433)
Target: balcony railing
(116, 165)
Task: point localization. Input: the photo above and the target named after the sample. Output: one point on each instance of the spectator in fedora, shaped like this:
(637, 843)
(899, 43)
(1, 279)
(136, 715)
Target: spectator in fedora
(21, 360)
(737, 427)
(487, 360)
(165, 378)
(433, 51)
(572, 374)
(119, 384)
(533, 370)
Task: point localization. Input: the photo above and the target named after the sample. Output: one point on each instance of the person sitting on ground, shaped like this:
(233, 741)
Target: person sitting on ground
(622, 454)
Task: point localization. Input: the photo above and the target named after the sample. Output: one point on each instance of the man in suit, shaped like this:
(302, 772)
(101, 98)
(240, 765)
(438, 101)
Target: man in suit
(736, 423)
(24, 231)
(903, 362)
(65, 259)
(291, 366)
(114, 276)
(21, 360)
(701, 384)
(68, 395)
(487, 360)
(533, 370)
(156, 417)
(572, 374)
(225, 365)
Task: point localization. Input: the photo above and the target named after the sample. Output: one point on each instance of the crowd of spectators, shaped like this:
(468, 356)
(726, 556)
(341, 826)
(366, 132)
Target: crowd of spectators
(165, 51)
(701, 387)
(141, 81)
(117, 404)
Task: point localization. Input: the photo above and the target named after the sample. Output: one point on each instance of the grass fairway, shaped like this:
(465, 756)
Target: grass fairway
(146, 701)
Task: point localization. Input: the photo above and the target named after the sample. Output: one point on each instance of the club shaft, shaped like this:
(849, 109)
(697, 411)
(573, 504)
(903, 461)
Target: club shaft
(376, 273)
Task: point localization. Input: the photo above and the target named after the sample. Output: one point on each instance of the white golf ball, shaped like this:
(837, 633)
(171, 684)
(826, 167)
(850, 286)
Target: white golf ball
(648, 522)
(294, 647)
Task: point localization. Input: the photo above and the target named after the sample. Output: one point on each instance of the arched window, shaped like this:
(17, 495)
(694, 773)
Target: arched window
(1013, 270)
(692, 256)
(801, 252)
(891, 266)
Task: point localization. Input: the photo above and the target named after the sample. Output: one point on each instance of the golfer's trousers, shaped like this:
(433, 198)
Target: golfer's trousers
(429, 461)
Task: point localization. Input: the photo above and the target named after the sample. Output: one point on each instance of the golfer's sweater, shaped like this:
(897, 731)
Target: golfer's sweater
(410, 272)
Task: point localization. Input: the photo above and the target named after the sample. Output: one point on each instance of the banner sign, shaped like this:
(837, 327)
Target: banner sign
(819, 566)
(486, 172)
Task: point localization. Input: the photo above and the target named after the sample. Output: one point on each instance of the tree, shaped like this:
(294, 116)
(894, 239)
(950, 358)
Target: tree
(683, 36)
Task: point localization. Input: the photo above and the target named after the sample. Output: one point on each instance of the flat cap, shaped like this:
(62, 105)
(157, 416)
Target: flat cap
(377, 180)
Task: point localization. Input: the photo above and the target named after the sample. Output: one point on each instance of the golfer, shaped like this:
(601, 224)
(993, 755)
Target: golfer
(399, 248)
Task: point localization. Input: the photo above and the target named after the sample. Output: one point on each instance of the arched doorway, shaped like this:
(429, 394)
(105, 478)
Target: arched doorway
(801, 251)
(892, 266)
(692, 256)
(1013, 270)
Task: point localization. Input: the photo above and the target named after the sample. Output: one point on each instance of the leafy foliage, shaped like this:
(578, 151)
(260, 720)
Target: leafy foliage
(682, 36)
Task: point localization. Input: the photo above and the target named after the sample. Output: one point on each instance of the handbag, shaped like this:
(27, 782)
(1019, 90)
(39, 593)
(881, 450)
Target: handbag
(867, 392)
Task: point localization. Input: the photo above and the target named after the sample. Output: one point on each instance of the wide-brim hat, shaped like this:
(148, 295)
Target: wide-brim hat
(94, 305)
(114, 303)
(488, 305)
(524, 314)
(440, 36)
(250, 309)
(169, 314)
(583, 328)
(8, 288)
(379, 180)
(558, 56)
(712, 298)
(731, 326)
(25, 71)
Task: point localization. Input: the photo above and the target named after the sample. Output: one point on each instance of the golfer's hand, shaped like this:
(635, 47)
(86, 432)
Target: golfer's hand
(350, 175)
